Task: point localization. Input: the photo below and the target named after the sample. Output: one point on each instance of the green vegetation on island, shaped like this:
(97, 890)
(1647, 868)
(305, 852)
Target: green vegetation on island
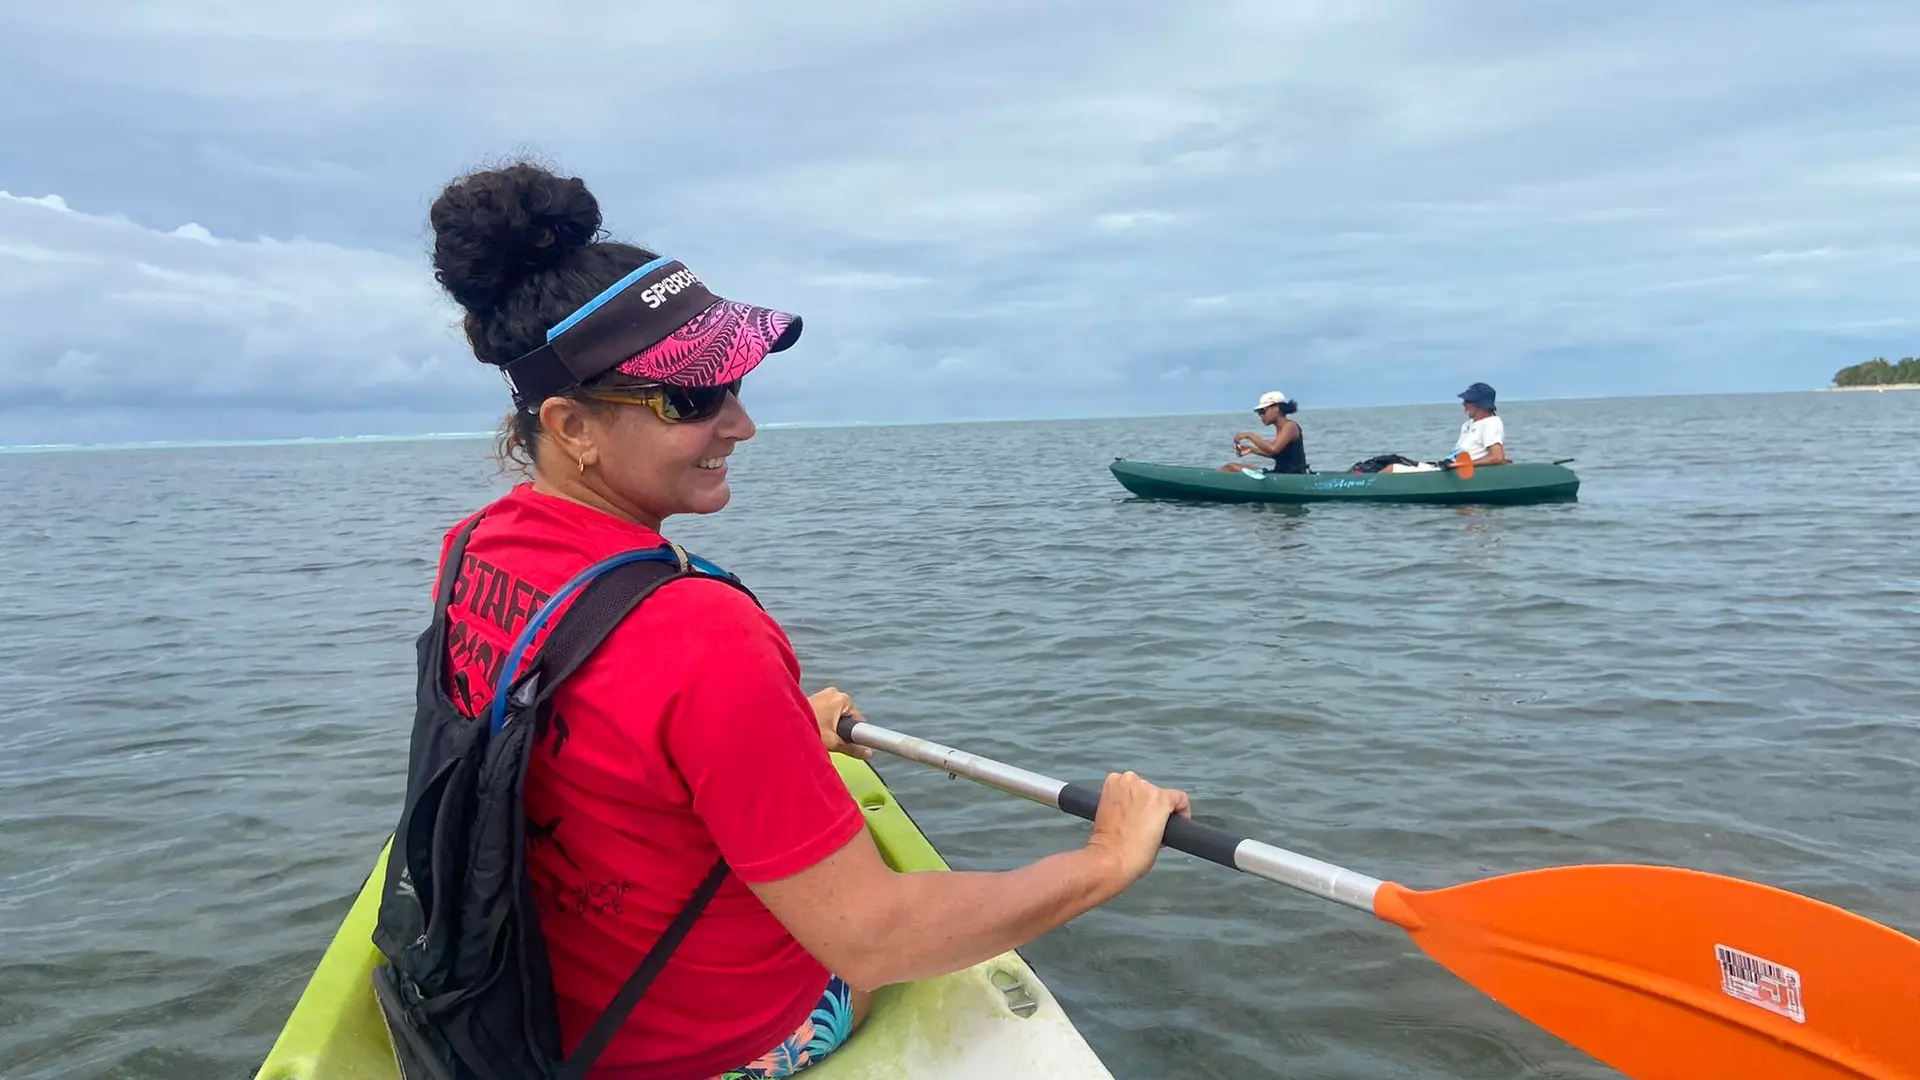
(1879, 372)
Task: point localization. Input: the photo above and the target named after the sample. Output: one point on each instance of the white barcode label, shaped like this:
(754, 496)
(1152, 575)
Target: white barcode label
(1746, 977)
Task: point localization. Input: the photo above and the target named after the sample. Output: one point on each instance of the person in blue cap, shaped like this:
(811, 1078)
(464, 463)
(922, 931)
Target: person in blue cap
(1483, 437)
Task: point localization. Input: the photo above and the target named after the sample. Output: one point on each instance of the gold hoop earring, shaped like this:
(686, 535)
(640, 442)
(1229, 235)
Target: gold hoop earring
(582, 462)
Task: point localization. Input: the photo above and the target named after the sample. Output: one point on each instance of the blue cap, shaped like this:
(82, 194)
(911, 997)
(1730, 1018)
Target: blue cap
(1479, 394)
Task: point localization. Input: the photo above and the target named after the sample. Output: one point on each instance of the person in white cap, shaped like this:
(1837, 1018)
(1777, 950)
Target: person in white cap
(1287, 447)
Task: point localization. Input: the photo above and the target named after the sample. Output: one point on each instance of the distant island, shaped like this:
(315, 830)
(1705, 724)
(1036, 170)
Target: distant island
(1880, 374)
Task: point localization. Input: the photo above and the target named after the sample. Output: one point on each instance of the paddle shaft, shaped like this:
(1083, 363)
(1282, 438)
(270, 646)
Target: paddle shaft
(1290, 868)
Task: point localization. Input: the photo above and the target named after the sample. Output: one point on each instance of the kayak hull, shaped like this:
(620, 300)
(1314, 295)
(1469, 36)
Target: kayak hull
(991, 1021)
(1515, 484)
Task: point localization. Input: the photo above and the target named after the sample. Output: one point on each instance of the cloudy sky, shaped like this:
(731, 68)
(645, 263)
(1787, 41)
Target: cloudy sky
(213, 219)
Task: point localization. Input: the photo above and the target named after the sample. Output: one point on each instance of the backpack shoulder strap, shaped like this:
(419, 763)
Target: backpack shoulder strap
(602, 605)
(607, 593)
(598, 1037)
(450, 569)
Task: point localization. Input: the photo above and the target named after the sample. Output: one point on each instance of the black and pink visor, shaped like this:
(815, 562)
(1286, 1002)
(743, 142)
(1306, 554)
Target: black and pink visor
(658, 324)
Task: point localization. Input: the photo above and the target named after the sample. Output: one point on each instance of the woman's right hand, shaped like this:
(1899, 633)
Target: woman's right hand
(1131, 822)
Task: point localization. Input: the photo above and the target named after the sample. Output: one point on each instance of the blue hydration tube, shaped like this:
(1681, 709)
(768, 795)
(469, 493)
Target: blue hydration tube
(574, 584)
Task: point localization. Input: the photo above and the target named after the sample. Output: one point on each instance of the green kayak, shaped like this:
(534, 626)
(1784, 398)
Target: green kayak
(993, 1021)
(1524, 482)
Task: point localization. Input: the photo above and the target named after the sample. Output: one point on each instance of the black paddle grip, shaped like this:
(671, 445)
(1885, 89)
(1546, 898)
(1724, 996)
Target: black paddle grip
(1183, 834)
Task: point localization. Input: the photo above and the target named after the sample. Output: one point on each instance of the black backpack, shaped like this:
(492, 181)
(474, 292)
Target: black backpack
(1376, 464)
(467, 993)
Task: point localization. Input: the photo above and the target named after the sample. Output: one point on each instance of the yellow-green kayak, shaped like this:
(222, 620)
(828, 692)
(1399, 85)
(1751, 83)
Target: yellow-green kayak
(993, 1021)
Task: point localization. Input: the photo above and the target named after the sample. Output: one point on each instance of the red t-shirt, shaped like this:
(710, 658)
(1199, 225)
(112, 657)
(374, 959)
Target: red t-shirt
(685, 736)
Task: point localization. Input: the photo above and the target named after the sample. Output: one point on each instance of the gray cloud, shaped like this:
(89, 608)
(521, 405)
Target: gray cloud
(982, 208)
(106, 312)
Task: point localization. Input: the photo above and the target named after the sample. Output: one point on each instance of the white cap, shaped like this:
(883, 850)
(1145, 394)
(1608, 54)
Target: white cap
(1271, 397)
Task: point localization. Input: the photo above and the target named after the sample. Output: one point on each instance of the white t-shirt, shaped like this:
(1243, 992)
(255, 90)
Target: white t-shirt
(1477, 435)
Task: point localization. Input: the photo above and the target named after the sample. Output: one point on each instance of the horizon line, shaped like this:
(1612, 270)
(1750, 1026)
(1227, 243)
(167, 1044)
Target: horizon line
(455, 436)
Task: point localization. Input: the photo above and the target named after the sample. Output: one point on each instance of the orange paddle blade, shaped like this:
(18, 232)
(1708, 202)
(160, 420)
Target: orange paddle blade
(1463, 464)
(1669, 974)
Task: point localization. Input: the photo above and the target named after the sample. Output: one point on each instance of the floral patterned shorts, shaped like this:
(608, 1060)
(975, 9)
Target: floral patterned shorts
(815, 1038)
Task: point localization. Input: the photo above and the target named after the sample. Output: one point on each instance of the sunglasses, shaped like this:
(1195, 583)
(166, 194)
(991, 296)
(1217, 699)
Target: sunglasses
(673, 404)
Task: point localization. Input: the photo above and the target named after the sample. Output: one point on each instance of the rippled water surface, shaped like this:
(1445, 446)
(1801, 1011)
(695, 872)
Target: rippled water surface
(1712, 659)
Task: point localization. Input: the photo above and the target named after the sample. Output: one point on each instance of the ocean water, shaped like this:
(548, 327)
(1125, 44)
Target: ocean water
(1708, 661)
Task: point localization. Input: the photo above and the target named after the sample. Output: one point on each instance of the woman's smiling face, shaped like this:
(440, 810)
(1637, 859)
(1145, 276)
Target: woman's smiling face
(647, 468)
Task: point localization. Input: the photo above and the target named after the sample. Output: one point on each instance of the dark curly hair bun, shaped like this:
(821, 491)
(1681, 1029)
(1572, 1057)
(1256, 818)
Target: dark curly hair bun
(495, 229)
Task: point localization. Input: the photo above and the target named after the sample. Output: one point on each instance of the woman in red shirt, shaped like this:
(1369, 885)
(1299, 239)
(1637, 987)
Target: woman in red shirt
(686, 736)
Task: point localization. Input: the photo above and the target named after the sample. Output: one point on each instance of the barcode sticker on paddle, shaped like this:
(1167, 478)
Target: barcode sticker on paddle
(1746, 977)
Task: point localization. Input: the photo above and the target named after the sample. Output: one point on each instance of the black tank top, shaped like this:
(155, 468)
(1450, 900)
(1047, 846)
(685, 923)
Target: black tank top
(1292, 457)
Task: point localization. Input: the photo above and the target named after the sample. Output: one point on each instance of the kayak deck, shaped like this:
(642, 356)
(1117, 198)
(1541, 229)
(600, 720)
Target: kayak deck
(992, 1021)
(1513, 484)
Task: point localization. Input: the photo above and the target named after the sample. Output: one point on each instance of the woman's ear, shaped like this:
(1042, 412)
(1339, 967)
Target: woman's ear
(565, 424)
